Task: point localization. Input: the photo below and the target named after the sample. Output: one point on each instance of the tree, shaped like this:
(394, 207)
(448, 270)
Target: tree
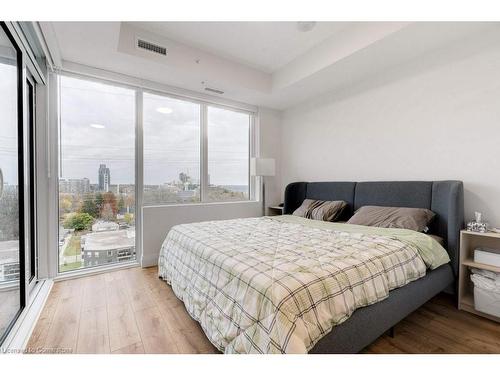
(130, 202)
(65, 203)
(9, 215)
(89, 206)
(99, 203)
(129, 218)
(107, 213)
(121, 204)
(78, 221)
(109, 199)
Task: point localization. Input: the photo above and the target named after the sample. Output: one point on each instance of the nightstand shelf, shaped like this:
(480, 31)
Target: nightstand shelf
(469, 241)
(481, 266)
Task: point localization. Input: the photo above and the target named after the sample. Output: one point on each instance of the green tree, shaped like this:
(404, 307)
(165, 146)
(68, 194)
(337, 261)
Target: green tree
(89, 206)
(99, 203)
(121, 204)
(129, 218)
(78, 221)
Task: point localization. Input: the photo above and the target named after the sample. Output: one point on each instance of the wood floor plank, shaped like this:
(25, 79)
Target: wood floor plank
(39, 335)
(116, 292)
(135, 348)
(94, 292)
(123, 329)
(188, 334)
(63, 331)
(133, 311)
(155, 334)
(93, 336)
(141, 299)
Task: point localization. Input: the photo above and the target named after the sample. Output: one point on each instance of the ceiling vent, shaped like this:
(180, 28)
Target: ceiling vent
(151, 47)
(215, 91)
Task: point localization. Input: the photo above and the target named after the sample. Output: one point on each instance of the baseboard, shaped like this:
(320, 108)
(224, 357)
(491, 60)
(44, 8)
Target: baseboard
(149, 260)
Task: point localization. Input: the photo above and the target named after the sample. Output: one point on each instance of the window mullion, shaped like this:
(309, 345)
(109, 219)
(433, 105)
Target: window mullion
(139, 171)
(204, 153)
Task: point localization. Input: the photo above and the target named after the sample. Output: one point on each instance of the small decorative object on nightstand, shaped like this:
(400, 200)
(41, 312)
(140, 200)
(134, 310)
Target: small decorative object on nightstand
(477, 225)
(470, 241)
(275, 210)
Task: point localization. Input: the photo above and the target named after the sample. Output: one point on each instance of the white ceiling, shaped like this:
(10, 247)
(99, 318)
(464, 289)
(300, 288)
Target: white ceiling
(266, 46)
(268, 64)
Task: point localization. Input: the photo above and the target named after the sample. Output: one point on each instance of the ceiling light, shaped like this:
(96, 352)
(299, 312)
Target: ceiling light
(97, 126)
(164, 110)
(306, 26)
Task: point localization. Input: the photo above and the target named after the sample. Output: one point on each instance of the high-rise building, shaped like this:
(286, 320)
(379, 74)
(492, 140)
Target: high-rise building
(104, 178)
(74, 185)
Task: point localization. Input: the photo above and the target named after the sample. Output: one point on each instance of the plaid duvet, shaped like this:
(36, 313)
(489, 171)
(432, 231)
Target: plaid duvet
(264, 285)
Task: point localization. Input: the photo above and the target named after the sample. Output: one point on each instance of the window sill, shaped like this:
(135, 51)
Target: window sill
(199, 204)
(95, 270)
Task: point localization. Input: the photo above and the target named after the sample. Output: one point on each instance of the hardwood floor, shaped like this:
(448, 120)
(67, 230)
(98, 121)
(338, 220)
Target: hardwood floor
(132, 311)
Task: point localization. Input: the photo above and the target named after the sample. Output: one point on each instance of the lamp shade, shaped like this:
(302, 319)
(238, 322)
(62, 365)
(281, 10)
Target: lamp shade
(262, 167)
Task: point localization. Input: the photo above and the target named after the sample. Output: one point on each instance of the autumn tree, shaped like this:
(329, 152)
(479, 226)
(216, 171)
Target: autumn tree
(65, 203)
(109, 199)
(107, 213)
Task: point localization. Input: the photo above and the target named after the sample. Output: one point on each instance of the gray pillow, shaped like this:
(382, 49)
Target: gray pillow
(416, 219)
(320, 210)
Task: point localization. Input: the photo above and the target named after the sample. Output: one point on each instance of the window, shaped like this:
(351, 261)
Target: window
(228, 155)
(171, 150)
(175, 150)
(192, 152)
(97, 170)
(11, 203)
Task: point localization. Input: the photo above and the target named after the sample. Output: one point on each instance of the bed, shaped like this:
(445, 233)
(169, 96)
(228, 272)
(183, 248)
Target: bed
(282, 285)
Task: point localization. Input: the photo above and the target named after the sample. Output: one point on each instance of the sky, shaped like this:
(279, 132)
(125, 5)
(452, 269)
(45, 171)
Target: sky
(98, 127)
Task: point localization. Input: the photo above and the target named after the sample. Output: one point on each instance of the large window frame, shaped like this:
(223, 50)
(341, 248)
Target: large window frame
(55, 93)
(140, 88)
(204, 179)
(28, 73)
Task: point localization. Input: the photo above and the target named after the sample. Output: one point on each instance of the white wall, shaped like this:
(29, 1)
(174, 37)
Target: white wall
(431, 119)
(158, 220)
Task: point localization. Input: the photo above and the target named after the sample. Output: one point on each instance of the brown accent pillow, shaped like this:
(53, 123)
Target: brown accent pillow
(415, 219)
(320, 210)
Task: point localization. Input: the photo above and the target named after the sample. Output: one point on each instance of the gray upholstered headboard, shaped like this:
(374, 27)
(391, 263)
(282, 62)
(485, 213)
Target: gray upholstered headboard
(444, 198)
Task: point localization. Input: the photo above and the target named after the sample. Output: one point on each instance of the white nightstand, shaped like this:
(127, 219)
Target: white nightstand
(275, 210)
(469, 241)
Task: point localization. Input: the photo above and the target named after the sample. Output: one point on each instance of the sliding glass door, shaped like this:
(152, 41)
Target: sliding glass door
(11, 187)
(96, 174)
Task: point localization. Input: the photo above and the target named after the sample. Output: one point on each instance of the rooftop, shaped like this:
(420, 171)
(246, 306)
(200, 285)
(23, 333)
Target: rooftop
(113, 240)
(9, 251)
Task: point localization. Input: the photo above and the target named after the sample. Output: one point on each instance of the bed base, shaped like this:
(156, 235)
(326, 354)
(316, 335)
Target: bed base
(368, 323)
